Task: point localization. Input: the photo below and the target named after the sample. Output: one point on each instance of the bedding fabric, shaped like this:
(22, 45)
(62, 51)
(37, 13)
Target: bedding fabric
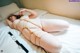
(2, 24)
(71, 38)
(7, 44)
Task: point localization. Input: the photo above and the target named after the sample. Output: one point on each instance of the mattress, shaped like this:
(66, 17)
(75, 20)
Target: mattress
(70, 39)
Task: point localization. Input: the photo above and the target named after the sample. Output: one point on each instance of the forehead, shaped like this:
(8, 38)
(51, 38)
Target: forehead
(13, 16)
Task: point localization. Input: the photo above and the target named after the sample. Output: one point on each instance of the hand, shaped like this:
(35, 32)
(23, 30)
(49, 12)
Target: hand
(22, 11)
(33, 14)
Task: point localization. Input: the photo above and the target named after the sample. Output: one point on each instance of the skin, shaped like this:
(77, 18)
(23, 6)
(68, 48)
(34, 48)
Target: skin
(12, 18)
(32, 15)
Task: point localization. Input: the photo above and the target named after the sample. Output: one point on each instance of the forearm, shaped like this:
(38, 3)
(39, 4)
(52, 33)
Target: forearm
(33, 13)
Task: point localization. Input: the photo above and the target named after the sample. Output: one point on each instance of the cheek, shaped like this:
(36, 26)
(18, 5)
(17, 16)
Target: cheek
(13, 18)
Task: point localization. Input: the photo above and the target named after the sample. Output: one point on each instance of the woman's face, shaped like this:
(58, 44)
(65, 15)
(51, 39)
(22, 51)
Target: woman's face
(12, 18)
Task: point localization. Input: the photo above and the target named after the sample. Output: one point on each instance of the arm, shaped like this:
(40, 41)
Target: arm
(33, 14)
(9, 23)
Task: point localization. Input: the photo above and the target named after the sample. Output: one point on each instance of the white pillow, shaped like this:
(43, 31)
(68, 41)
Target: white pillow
(5, 11)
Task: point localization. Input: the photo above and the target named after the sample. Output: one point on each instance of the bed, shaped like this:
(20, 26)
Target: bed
(70, 39)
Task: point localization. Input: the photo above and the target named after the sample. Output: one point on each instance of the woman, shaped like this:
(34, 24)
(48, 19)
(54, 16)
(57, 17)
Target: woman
(36, 30)
(49, 25)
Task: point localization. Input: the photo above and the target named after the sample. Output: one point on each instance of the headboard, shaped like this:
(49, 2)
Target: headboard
(6, 2)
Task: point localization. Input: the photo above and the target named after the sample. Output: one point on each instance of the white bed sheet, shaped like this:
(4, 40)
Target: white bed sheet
(8, 45)
(70, 39)
(2, 24)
